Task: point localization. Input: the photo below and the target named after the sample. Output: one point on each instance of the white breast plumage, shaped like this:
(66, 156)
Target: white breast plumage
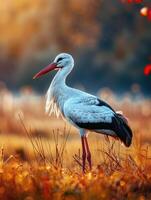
(51, 104)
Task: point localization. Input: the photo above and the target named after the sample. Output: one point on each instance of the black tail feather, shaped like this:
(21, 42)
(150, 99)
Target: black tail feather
(125, 132)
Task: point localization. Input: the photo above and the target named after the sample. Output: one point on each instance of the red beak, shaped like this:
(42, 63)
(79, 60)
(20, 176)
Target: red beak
(47, 69)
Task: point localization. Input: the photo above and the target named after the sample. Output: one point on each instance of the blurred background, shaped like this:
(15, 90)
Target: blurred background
(110, 41)
(111, 44)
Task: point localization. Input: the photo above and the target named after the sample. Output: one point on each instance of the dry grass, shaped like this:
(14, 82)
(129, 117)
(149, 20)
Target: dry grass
(41, 157)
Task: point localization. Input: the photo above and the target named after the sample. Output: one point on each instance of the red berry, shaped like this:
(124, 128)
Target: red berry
(147, 69)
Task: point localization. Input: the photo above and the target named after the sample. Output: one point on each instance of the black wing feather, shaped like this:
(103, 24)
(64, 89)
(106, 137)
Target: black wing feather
(118, 125)
(103, 103)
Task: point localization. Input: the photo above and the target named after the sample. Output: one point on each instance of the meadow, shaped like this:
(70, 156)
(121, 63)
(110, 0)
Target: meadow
(40, 156)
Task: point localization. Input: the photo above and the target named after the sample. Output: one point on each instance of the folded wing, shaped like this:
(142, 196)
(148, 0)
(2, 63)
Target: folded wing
(94, 114)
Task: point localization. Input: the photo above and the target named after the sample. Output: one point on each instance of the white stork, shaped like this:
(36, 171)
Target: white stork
(84, 111)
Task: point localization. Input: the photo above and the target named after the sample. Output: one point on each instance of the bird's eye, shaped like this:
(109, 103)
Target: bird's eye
(59, 59)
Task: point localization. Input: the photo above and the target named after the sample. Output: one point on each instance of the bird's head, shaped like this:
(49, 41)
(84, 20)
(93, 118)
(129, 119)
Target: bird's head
(63, 60)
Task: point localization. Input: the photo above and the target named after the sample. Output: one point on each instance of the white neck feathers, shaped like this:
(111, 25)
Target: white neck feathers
(57, 92)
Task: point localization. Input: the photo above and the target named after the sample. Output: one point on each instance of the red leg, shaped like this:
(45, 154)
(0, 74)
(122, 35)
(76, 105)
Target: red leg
(83, 153)
(88, 153)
